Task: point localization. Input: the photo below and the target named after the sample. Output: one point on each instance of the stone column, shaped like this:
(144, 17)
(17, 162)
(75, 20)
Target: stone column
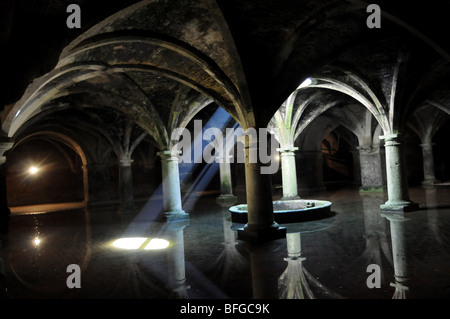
(4, 209)
(356, 172)
(126, 186)
(428, 165)
(288, 173)
(226, 184)
(85, 183)
(401, 272)
(398, 197)
(310, 173)
(99, 184)
(372, 177)
(261, 225)
(171, 186)
(5, 145)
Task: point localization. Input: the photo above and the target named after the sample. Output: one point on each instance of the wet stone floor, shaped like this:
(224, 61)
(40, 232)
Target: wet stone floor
(324, 259)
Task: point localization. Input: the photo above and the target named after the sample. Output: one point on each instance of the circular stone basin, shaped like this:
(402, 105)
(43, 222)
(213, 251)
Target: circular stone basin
(288, 211)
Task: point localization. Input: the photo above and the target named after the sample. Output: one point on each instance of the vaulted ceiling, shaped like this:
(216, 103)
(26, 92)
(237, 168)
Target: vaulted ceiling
(161, 62)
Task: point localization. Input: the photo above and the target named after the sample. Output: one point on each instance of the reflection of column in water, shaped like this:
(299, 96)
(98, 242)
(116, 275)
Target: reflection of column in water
(431, 197)
(176, 261)
(375, 230)
(433, 214)
(296, 281)
(401, 273)
(263, 263)
(292, 283)
(230, 256)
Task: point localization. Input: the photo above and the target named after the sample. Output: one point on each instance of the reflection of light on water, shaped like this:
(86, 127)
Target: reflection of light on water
(129, 243)
(36, 241)
(137, 242)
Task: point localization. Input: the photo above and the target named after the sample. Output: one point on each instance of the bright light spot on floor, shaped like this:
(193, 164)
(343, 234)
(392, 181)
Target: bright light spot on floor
(157, 243)
(277, 157)
(137, 243)
(33, 170)
(305, 83)
(129, 243)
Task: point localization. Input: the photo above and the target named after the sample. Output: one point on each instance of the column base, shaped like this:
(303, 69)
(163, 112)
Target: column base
(399, 206)
(261, 235)
(430, 182)
(225, 200)
(175, 216)
(295, 197)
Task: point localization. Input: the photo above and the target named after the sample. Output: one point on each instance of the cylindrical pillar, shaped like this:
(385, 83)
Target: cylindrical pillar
(4, 209)
(5, 145)
(398, 197)
(4, 217)
(289, 173)
(428, 165)
(371, 169)
(99, 187)
(261, 225)
(226, 185)
(85, 183)
(126, 186)
(172, 203)
(310, 175)
(4, 221)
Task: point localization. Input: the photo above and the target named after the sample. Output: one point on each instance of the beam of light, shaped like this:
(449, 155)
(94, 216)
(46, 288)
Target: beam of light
(219, 120)
(201, 182)
(153, 208)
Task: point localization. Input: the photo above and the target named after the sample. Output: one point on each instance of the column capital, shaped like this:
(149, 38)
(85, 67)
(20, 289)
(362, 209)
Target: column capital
(289, 149)
(6, 144)
(390, 139)
(368, 149)
(126, 162)
(225, 158)
(427, 145)
(169, 154)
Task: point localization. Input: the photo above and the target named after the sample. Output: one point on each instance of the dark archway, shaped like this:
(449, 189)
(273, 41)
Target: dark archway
(46, 168)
